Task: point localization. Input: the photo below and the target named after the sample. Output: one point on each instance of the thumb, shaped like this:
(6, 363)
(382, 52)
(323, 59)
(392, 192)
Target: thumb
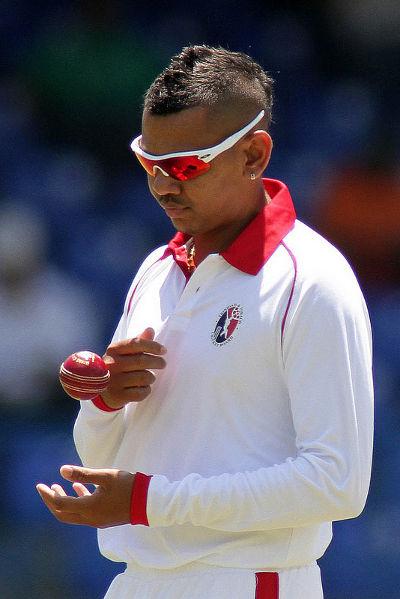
(148, 333)
(92, 476)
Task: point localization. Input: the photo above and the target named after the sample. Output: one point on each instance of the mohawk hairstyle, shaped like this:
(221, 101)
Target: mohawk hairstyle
(207, 76)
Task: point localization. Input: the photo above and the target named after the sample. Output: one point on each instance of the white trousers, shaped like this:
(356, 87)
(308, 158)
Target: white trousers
(208, 582)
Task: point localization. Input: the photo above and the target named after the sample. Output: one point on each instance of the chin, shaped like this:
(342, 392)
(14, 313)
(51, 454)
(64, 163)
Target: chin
(183, 227)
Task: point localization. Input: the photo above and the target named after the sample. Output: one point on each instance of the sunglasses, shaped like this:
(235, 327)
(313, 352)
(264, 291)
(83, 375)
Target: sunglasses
(188, 165)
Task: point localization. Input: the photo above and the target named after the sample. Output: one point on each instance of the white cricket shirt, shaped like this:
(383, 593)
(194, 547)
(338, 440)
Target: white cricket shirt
(258, 433)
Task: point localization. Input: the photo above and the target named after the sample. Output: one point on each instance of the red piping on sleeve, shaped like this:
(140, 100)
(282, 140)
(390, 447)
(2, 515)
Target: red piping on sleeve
(139, 499)
(99, 403)
(139, 281)
(292, 290)
(267, 585)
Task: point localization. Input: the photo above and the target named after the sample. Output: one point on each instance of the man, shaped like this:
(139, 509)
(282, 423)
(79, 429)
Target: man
(238, 421)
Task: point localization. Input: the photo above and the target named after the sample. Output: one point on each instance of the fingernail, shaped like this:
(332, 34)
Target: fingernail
(163, 350)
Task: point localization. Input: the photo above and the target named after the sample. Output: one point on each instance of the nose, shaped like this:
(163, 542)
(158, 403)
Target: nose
(163, 184)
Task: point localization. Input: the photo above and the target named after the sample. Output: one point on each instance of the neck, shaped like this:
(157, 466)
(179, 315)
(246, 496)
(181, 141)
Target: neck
(214, 242)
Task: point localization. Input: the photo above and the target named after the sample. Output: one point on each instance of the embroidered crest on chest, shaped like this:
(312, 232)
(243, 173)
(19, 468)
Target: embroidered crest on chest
(228, 321)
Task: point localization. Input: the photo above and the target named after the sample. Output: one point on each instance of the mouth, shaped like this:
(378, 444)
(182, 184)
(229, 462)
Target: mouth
(171, 206)
(174, 210)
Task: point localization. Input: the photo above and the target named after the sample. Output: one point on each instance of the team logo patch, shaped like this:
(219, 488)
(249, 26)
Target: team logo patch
(228, 321)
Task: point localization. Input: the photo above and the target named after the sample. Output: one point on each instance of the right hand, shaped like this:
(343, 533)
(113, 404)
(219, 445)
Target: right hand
(130, 363)
(108, 505)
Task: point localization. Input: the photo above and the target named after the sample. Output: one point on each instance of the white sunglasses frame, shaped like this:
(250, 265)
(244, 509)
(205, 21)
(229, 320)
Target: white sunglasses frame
(205, 155)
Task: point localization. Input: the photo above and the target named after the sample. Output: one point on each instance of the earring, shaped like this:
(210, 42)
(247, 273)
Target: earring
(252, 176)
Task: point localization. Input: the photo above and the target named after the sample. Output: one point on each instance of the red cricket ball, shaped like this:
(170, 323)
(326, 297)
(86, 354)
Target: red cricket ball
(84, 375)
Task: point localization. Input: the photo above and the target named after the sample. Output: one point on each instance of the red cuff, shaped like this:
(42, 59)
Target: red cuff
(139, 499)
(99, 403)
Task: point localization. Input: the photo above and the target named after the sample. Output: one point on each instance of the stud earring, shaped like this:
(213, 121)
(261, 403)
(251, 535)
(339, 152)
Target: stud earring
(252, 176)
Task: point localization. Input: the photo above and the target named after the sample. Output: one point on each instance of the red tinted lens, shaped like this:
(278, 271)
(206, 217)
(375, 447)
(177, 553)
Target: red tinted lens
(181, 167)
(184, 167)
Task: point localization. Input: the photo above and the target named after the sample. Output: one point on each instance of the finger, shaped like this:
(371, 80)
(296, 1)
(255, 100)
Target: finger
(44, 491)
(61, 507)
(48, 495)
(138, 378)
(148, 333)
(135, 394)
(80, 489)
(127, 363)
(58, 490)
(147, 362)
(117, 397)
(136, 345)
(52, 498)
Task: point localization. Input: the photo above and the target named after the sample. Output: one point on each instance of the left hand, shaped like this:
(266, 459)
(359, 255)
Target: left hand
(108, 505)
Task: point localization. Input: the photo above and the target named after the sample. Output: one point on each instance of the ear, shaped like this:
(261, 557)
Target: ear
(257, 153)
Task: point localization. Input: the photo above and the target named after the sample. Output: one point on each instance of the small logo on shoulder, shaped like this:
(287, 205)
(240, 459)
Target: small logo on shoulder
(228, 321)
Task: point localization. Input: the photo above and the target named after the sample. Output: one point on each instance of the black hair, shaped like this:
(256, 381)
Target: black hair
(208, 76)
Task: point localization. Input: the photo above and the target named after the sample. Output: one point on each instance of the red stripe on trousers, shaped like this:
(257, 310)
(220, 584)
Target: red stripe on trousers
(267, 585)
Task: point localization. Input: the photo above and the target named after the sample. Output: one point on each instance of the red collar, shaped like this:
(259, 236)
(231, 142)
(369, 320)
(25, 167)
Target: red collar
(258, 241)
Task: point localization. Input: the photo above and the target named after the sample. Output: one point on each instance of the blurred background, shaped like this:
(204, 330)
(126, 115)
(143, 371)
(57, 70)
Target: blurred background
(76, 219)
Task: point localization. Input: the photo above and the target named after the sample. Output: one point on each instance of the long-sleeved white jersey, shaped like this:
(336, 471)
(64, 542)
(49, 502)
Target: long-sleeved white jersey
(258, 433)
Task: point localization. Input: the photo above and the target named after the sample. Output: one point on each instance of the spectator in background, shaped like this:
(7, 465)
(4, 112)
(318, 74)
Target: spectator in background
(44, 315)
(360, 213)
